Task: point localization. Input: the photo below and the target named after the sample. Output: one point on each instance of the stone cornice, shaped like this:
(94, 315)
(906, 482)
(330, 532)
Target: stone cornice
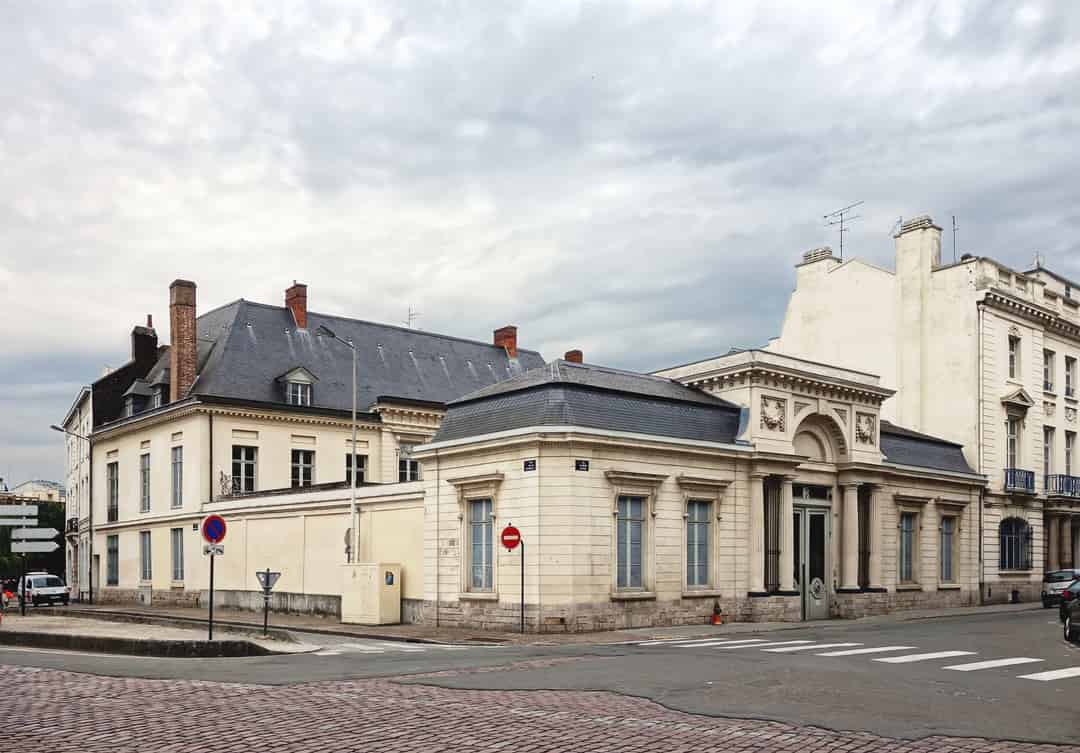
(1047, 317)
(798, 382)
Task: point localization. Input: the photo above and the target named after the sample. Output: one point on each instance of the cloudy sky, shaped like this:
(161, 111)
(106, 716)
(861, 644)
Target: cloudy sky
(633, 179)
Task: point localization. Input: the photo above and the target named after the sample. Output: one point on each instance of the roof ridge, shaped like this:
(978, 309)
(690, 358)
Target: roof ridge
(396, 327)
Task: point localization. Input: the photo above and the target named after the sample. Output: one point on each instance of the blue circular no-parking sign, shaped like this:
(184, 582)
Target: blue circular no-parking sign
(213, 528)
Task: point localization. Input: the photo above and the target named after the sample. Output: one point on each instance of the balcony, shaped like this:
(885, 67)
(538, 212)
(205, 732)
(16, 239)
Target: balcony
(1019, 480)
(71, 526)
(1060, 485)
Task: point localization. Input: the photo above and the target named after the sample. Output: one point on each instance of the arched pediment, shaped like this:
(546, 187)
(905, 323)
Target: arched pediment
(820, 438)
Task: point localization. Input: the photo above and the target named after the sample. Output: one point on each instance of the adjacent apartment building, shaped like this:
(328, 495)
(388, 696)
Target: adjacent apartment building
(980, 354)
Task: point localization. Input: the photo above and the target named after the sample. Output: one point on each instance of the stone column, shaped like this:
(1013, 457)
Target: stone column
(757, 533)
(1065, 553)
(849, 574)
(1053, 541)
(875, 537)
(787, 548)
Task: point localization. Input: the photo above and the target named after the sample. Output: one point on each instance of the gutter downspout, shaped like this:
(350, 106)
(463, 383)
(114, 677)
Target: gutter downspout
(210, 461)
(438, 539)
(90, 544)
(982, 489)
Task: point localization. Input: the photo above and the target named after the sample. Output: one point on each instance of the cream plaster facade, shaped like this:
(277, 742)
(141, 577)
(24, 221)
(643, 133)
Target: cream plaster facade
(299, 532)
(79, 422)
(967, 347)
(807, 427)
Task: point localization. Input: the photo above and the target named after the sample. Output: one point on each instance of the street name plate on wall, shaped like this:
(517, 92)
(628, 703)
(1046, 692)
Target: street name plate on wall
(581, 465)
(530, 465)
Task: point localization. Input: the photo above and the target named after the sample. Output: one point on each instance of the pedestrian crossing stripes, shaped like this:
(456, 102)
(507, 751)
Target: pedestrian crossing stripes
(909, 658)
(863, 651)
(900, 655)
(384, 647)
(992, 664)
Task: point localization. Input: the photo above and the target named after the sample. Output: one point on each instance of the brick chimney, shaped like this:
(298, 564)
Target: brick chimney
(182, 354)
(574, 356)
(144, 346)
(506, 337)
(296, 300)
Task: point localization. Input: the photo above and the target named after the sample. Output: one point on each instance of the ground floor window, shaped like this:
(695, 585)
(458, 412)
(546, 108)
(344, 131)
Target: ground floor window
(481, 550)
(772, 534)
(630, 540)
(303, 468)
(112, 560)
(908, 554)
(698, 528)
(948, 549)
(146, 571)
(864, 536)
(1014, 544)
(177, 537)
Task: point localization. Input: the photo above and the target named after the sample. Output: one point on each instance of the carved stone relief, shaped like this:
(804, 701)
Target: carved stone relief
(1070, 415)
(1049, 409)
(864, 428)
(773, 413)
(799, 407)
(842, 415)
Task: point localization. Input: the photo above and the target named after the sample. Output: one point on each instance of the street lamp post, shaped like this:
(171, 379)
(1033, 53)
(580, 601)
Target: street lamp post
(90, 494)
(353, 521)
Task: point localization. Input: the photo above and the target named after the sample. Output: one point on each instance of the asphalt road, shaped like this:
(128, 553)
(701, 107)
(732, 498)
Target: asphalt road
(913, 698)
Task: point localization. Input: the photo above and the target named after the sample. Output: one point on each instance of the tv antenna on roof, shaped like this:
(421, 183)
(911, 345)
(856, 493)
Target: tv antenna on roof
(955, 228)
(410, 317)
(842, 217)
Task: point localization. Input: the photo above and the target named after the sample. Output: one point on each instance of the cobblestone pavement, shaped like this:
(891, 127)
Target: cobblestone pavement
(55, 712)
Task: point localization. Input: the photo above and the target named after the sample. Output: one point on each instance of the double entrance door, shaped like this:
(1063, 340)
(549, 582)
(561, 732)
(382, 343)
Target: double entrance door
(810, 531)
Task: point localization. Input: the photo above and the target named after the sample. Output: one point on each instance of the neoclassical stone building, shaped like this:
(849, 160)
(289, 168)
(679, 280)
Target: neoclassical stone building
(979, 353)
(764, 486)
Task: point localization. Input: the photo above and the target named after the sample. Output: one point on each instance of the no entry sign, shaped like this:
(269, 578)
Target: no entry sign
(511, 537)
(213, 529)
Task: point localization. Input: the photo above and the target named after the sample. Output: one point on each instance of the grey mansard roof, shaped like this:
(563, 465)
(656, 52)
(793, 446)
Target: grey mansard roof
(906, 447)
(244, 347)
(568, 394)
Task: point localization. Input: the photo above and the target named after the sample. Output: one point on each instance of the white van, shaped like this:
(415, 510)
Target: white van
(42, 588)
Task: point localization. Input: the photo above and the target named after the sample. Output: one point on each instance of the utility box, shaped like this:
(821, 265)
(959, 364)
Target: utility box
(371, 593)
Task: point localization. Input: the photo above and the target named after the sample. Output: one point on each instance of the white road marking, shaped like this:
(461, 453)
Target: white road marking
(861, 651)
(909, 658)
(788, 649)
(763, 645)
(327, 653)
(366, 648)
(1055, 674)
(681, 641)
(992, 663)
(730, 644)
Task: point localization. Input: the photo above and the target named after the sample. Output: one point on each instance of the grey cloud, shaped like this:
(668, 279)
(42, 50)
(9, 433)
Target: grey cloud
(634, 180)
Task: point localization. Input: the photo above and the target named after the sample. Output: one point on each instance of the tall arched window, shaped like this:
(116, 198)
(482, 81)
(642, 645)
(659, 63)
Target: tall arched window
(1014, 539)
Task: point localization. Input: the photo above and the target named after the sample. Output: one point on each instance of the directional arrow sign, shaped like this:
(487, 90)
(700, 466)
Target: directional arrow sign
(28, 511)
(34, 533)
(17, 521)
(33, 547)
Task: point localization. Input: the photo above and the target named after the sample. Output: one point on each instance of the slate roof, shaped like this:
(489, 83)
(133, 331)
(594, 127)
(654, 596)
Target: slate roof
(906, 447)
(243, 347)
(569, 394)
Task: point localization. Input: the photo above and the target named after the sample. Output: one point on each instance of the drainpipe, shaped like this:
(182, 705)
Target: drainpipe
(210, 460)
(979, 464)
(90, 522)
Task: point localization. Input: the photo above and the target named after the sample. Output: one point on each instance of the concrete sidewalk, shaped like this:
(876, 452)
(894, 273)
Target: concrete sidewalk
(83, 633)
(306, 624)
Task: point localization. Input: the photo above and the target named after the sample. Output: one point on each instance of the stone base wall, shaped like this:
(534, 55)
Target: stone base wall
(611, 615)
(315, 604)
(1000, 592)
(412, 611)
(854, 605)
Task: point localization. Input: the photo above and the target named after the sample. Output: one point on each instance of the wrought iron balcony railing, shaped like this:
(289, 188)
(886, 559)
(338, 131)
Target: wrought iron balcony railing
(1019, 480)
(1062, 485)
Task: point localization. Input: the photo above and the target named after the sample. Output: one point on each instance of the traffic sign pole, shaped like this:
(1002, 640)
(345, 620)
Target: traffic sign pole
(210, 622)
(266, 605)
(511, 539)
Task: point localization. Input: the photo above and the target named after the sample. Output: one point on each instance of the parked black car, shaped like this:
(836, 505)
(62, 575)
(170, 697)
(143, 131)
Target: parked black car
(1069, 611)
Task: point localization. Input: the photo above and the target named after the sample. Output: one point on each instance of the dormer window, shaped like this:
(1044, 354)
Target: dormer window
(155, 400)
(297, 384)
(298, 393)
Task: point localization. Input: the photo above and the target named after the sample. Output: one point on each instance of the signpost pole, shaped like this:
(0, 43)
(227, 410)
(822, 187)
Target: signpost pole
(266, 597)
(23, 599)
(210, 623)
(522, 545)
